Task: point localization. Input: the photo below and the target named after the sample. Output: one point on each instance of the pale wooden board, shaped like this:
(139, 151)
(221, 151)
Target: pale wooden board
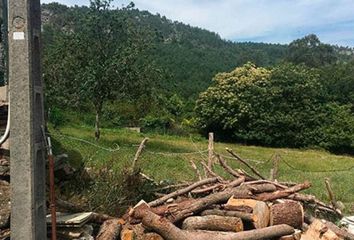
(71, 220)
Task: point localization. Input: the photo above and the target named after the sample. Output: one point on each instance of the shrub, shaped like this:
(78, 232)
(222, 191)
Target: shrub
(56, 117)
(156, 123)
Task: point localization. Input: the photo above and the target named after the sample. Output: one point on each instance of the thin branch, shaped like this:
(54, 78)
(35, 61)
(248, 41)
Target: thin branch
(182, 191)
(138, 153)
(245, 163)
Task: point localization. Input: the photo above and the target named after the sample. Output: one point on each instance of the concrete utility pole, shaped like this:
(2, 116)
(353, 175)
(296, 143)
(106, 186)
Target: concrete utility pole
(28, 206)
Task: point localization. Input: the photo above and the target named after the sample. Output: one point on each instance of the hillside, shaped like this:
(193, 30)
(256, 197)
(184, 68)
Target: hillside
(190, 56)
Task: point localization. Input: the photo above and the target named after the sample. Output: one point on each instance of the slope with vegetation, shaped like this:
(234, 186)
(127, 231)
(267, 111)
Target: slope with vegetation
(167, 158)
(131, 68)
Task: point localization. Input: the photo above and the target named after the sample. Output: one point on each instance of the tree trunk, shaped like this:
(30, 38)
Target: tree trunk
(97, 125)
(283, 193)
(151, 236)
(170, 232)
(109, 230)
(201, 204)
(244, 216)
(289, 212)
(213, 223)
(319, 231)
(260, 210)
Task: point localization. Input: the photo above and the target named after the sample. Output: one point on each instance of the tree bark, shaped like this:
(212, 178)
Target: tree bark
(163, 199)
(244, 216)
(275, 169)
(283, 193)
(260, 210)
(110, 230)
(210, 172)
(138, 153)
(196, 170)
(227, 168)
(151, 236)
(290, 213)
(320, 205)
(319, 231)
(211, 150)
(261, 188)
(203, 203)
(97, 124)
(170, 232)
(213, 223)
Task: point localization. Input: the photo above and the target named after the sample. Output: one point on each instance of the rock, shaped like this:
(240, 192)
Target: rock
(5, 205)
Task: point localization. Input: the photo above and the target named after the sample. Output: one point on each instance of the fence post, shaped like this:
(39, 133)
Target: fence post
(211, 150)
(275, 170)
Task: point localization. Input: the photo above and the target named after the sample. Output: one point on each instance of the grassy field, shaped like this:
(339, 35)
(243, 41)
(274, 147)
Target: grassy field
(167, 158)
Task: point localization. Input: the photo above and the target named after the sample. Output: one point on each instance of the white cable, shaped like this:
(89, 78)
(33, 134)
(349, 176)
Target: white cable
(5, 136)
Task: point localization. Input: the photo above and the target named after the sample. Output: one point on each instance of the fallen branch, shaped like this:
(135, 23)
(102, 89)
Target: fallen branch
(208, 189)
(282, 193)
(331, 195)
(138, 153)
(237, 182)
(172, 186)
(313, 200)
(210, 172)
(244, 216)
(227, 168)
(110, 230)
(280, 185)
(213, 223)
(202, 203)
(260, 188)
(245, 163)
(163, 199)
(196, 170)
(170, 232)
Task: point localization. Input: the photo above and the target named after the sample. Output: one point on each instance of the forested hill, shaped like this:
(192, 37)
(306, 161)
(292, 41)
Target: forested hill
(190, 56)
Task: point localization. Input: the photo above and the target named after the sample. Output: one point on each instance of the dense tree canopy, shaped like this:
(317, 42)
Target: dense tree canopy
(310, 51)
(286, 105)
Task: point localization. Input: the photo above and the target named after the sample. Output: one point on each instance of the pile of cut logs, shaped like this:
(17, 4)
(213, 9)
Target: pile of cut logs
(248, 207)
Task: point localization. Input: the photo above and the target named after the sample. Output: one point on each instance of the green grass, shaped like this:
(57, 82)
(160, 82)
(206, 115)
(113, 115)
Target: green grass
(164, 158)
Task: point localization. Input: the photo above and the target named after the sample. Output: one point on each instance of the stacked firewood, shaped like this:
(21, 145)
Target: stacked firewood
(247, 207)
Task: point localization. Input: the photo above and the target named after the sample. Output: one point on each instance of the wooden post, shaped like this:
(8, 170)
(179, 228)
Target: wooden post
(211, 150)
(275, 170)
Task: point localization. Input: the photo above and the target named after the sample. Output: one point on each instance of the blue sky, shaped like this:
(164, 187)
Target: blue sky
(274, 21)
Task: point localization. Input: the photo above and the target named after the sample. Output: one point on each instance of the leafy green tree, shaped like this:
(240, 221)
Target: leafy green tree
(229, 105)
(310, 51)
(286, 106)
(99, 58)
(336, 131)
(339, 81)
